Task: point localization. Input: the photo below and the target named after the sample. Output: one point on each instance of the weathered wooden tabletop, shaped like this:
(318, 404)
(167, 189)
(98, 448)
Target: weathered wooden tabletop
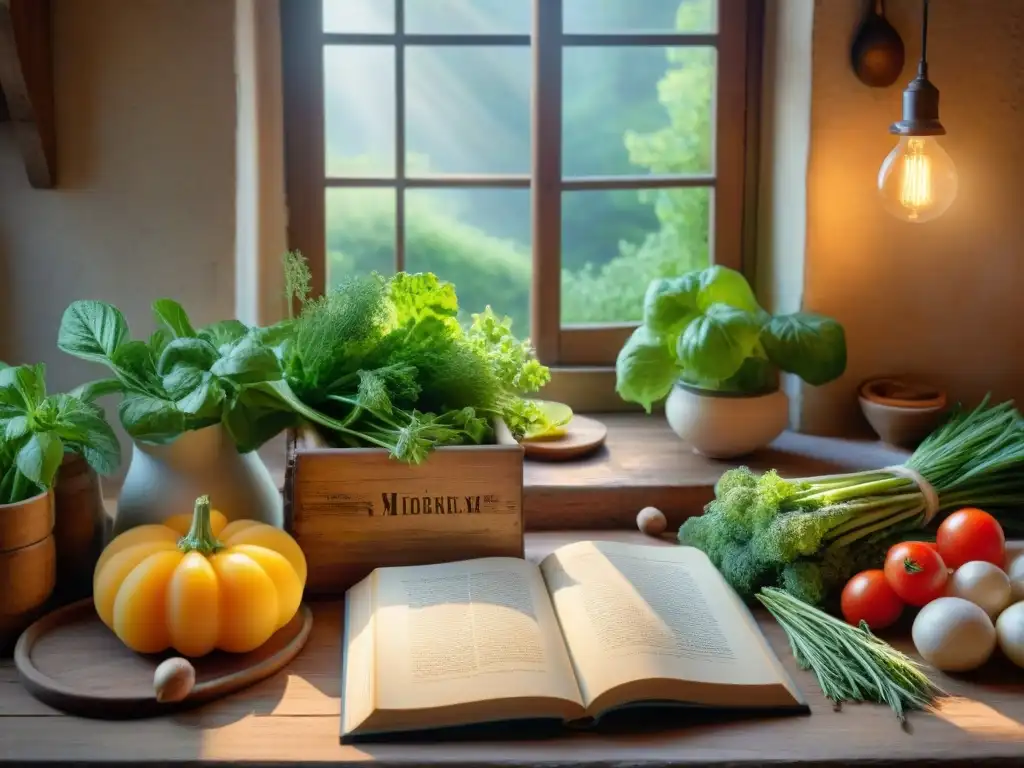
(293, 718)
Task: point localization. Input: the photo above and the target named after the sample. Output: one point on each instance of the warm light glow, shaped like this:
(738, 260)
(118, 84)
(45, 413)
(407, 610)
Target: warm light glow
(980, 719)
(917, 180)
(916, 189)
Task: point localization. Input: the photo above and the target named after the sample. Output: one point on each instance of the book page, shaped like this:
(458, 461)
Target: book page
(633, 612)
(358, 660)
(463, 632)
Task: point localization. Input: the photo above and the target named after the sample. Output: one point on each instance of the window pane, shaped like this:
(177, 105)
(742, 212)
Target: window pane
(613, 16)
(473, 17)
(360, 232)
(364, 16)
(614, 243)
(359, 110)
(638, 110)
(468, 110)
(478, 239)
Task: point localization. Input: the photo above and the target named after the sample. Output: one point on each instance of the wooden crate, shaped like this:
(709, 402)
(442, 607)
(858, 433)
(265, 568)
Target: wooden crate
(354, 509)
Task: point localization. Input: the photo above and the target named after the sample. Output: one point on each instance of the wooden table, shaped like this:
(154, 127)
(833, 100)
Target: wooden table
(294, 718)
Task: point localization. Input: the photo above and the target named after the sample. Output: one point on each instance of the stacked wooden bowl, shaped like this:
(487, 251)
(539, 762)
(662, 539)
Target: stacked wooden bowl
(28, 564)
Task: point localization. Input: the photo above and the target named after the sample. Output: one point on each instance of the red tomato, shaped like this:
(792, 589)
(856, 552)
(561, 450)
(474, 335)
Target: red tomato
(971, 534)
(916, 572)
(868, 597)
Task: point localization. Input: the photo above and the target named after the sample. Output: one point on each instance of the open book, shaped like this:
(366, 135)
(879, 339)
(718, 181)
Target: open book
(595, 627)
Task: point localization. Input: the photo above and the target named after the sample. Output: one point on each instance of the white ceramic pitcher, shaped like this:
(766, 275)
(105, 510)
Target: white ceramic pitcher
(165, 480)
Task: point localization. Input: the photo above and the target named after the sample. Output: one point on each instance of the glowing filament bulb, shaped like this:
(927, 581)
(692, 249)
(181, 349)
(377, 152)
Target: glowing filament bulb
(917, 180)
(916, 191)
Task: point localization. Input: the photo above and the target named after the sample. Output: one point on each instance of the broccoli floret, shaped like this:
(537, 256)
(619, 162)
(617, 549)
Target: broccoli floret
(735, 504)
(737, 561)
(762, 512)
(749, 503)
(805, 580)
(713, 530)
(744, 571)
(741, 477)
(694, 532)
(774, 488)
(712, 534)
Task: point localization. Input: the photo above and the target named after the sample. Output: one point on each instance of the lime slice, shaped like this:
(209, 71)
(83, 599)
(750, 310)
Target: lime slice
(550, 433)
(553, 426)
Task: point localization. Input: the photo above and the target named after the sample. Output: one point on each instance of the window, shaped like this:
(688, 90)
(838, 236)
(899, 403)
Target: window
(549, 157)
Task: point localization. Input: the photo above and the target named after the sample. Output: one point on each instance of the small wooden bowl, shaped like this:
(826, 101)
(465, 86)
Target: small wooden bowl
(901, 411)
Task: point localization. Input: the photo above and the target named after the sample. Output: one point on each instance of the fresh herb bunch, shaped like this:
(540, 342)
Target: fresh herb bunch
(376, 362)
(850, 663)
(809, 536)
(389, 360)
(36, 429)
(706, 329)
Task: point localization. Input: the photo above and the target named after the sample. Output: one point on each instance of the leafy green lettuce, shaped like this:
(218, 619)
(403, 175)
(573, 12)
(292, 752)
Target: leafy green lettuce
(706, 328)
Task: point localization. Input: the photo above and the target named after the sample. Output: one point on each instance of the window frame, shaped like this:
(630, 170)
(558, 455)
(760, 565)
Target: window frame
(732, 180)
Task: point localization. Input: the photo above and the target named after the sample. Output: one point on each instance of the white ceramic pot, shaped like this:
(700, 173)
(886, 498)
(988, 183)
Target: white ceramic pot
(165, 480)
(723, 425)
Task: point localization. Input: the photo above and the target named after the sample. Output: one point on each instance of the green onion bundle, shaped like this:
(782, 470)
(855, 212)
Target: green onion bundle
(850, 663)
(809, 536)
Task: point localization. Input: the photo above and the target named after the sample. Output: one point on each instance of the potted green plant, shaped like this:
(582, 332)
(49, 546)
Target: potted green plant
(707, 345)
(181, 395)
(37, 430)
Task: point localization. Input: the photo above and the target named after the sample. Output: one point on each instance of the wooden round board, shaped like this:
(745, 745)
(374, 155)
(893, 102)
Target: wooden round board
(70, 660)
(583, 436)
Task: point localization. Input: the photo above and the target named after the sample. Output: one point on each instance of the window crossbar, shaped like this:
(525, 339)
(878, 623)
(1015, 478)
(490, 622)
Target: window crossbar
(523, 181)
(584, 39)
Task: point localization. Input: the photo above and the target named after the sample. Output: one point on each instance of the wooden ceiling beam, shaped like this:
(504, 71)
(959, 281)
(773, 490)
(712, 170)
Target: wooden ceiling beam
(26, 79)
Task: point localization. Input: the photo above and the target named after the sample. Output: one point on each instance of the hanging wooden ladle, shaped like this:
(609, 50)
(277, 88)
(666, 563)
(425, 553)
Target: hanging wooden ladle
(877, 52)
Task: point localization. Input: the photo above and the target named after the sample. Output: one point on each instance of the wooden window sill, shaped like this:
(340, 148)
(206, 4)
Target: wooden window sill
(644, 463)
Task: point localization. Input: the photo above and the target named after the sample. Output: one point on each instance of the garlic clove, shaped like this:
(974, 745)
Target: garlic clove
(173, 679)
(651, 521)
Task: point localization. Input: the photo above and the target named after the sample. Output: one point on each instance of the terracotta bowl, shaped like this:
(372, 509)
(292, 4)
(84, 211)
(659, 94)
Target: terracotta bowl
(902, 412)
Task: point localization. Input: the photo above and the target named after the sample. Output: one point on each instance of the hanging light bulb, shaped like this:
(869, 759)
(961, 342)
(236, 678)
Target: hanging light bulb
(917, 180)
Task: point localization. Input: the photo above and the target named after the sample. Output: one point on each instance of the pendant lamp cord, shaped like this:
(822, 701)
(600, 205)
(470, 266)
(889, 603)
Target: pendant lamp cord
(922, 67)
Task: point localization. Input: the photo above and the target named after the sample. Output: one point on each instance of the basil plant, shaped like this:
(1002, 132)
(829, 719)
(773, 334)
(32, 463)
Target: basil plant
(36, 429)
(706, 329)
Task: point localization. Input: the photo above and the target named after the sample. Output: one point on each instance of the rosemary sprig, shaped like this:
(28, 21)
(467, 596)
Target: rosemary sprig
(850, 663)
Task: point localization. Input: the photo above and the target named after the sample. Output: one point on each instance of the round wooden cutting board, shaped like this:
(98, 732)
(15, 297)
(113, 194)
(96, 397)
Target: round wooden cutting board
(70, 660)
(583, 436)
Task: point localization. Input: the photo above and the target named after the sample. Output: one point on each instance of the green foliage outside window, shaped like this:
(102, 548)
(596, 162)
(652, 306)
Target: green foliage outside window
(664, 232)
